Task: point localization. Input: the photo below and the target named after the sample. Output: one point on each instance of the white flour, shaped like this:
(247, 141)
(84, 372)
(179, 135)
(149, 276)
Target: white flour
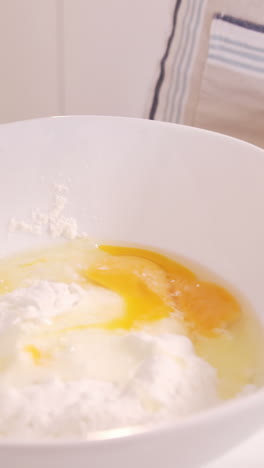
(39, 302)
(53, 222)
(94, 379)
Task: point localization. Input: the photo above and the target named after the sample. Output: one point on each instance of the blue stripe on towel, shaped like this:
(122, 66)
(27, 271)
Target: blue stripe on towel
(239, 53)
(227, 40)
(235, 63)
(179, 83)
(188, 63)
(240, 22)
(175, 76)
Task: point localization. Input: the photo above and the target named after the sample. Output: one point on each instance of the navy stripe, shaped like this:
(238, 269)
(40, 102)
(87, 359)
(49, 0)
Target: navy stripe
(239, 53)
(155, 100)
(240, 22)
(235, 63)
(216, 37)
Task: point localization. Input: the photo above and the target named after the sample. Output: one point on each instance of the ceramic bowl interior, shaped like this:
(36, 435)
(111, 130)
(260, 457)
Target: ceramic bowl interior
(188, 191)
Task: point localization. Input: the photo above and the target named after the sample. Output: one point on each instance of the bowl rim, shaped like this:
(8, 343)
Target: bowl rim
(137, 120)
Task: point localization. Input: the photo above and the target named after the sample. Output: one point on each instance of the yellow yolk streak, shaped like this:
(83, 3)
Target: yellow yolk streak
(33, 263)
(35, 353)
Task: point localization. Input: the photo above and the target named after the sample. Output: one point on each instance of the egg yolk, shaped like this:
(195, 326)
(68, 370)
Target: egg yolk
(206, 306)
(142, 284)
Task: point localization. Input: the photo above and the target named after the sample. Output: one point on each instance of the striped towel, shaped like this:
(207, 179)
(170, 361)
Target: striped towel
(236, 48)
(169, 98)
(214, 71)
(231, 99)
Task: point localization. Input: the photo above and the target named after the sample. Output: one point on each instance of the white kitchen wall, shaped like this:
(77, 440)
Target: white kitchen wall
(112, 52)
(80, 56)
(28, 59)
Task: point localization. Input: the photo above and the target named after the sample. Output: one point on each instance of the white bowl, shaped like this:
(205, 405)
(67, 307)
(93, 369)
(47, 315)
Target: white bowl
(192, 192)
